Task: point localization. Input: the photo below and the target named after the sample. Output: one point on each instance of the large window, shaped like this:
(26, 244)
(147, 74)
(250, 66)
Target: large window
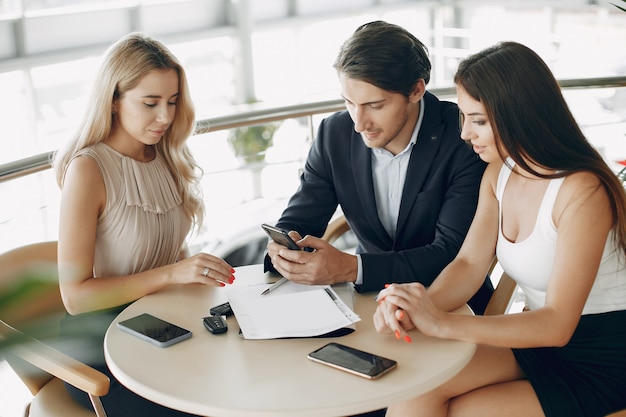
(292, 45)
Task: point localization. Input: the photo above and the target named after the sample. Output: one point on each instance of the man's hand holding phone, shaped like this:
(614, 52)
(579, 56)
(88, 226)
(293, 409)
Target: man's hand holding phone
(280, 236)
(319, 263)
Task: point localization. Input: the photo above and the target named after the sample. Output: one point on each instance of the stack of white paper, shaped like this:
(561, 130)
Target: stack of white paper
(293, 310)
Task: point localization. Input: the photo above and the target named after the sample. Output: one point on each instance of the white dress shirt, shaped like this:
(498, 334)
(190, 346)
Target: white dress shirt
(389, 175)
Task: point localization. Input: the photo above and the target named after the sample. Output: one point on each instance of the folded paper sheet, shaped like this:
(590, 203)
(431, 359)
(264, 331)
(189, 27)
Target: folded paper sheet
(293, 310)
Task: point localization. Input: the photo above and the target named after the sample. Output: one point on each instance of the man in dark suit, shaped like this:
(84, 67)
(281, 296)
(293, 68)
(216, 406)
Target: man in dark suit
(394, 163)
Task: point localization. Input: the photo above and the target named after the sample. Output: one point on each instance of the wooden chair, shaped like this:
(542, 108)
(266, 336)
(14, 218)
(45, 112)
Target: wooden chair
(30, 303)
(335, 229)
(500, 300)
(502, 297)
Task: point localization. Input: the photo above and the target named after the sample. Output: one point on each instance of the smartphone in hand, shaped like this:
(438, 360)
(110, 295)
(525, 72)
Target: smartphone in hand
(280, 236)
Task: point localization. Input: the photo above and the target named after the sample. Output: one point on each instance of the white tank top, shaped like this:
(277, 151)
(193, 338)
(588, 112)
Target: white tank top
(530, 261)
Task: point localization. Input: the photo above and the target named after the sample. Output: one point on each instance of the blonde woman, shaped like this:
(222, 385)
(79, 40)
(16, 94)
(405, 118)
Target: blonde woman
(130, 197)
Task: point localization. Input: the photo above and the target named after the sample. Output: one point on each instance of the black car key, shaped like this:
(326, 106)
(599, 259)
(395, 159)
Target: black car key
(222, 310)
(215, 324)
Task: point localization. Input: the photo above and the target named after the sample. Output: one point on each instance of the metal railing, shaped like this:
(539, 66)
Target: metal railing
(41, 162)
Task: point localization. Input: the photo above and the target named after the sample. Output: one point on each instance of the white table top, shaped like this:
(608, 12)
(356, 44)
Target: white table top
(226, 375)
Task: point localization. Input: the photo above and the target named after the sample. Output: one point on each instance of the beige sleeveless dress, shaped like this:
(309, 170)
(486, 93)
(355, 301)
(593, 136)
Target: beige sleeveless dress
(143, 225)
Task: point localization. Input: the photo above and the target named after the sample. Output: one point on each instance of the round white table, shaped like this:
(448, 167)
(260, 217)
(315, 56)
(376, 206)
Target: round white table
(226, 375)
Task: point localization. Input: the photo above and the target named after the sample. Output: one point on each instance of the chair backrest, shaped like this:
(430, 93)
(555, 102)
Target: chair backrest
(31, 309)
(29, 273)
(502, 296)
(30, 301)
(336, 229)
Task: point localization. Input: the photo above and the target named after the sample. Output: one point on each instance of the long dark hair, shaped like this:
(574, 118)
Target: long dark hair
(532, 121)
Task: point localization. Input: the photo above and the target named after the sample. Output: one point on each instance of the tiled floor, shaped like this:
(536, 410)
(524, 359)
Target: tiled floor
(13, 394)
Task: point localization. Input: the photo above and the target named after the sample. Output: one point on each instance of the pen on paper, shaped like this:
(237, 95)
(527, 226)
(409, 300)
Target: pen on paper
(330, 294)
(274, 286)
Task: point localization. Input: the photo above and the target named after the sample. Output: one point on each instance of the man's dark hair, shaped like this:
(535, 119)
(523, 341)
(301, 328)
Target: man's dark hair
(384, 55)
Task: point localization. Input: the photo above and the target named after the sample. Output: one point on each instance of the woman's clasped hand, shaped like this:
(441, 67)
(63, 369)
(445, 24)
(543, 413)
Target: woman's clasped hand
(405, 307)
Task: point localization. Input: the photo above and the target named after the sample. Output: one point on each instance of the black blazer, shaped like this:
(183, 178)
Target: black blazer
(438, 201)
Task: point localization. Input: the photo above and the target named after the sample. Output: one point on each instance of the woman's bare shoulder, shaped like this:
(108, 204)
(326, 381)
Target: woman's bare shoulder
(83, 172)
(582, 191)
(583, 183)
(82, 165)
(491, 174)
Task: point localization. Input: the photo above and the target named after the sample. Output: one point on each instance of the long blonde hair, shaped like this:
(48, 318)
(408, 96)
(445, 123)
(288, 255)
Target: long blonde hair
(126, 62)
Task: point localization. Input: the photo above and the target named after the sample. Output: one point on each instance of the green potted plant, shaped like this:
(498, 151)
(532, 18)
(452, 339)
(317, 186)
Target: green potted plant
(250, 142)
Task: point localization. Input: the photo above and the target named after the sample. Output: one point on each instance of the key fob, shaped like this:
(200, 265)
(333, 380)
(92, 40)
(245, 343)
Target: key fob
(215, 324)
(222, 310)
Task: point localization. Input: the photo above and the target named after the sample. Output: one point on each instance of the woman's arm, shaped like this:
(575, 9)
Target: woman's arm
(583, 218)
(82, 200)
(460, 280)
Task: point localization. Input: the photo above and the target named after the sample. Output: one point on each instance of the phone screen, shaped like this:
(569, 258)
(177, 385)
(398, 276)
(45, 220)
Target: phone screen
(154, 330)
(353, 360)
(280, 236)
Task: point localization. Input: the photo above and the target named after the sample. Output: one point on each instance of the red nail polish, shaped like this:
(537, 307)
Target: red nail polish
(232, 270)
(387, 285)
(397, 334)
(400, 314)
(407, 338)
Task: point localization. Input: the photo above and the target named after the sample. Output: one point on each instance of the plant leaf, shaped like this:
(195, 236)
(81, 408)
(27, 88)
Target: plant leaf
(620, 7)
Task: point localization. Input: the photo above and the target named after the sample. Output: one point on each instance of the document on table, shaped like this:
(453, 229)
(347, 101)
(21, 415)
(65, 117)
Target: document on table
(293, 310)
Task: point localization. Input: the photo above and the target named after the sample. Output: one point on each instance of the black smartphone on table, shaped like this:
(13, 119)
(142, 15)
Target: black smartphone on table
(354, 361)
(154, 330)
(280, 236)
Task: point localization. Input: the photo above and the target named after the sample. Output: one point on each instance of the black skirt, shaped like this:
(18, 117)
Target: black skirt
(585, 378)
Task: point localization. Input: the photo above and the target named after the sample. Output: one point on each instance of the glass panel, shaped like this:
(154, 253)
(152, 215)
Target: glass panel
(16, 117)
(247, 181)
(601, 114)
(29, 211)
(59, 95)
(210, 73)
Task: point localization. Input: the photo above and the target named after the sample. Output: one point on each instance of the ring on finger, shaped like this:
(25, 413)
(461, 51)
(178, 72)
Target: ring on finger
(206, 272)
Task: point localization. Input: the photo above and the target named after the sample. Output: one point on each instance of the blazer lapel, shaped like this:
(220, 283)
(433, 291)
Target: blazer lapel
(422, 157)
(362, 172)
